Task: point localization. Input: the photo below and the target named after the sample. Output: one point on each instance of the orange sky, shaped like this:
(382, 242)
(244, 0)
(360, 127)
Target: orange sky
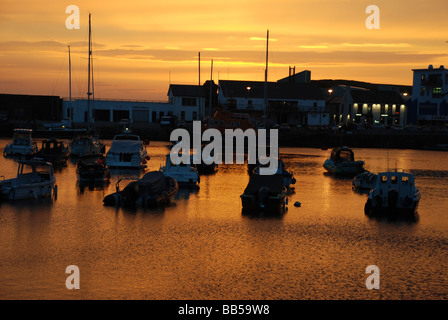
(141, 46)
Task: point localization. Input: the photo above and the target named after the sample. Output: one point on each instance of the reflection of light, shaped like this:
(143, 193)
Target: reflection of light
(405, 94)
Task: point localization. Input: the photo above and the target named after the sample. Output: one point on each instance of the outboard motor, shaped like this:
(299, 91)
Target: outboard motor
(262, 195)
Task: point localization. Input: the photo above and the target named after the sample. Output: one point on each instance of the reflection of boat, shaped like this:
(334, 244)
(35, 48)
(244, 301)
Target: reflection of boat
(394, 194)
(264, 192)
(288, 177)
(53, 151)
(86, 147)
(364, 181)
(342, 161)
(21, 144)
(92, 170)
(152, 189)
(34, 180)
(127, 151)
(185, 174)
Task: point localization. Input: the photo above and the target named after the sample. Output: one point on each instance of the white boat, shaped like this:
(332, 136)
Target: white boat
(21, 144)
(185, 174)
(86, 147)
(364, 181)
(394, 194)
(342, 161)
(35, 179)
(127, 151)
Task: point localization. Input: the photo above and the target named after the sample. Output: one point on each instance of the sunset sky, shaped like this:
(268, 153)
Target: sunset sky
(142, 46)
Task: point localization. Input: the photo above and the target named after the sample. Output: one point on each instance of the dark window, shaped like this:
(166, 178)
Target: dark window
(189, 102)
(102, 115)
(120, 114)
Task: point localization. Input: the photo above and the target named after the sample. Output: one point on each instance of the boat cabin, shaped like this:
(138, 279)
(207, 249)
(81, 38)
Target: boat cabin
(22, 137)
(342, 154)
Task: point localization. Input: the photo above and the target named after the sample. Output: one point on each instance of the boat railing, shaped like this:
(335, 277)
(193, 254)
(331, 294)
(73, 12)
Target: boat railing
(117, 185)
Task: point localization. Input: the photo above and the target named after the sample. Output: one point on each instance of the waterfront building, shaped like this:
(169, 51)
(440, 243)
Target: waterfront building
(385, 107)
(429, 103)
(289, 103)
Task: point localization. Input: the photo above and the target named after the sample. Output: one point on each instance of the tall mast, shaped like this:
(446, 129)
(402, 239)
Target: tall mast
(266, 80)
(69, 75)
(88, 72)
(210, 99)
(199, 67)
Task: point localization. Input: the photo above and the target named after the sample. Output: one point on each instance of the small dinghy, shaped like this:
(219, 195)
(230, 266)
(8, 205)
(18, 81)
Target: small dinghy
(152, 189)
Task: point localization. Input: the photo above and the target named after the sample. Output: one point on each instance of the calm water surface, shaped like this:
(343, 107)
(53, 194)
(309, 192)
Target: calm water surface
(202, 247)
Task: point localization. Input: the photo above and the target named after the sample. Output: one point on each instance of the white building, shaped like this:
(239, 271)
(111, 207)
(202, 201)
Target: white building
(187, 101)
(102, 110)
(430, 96)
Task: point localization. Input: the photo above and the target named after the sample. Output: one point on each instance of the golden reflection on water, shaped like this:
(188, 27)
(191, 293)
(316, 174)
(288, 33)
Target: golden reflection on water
(200, 246)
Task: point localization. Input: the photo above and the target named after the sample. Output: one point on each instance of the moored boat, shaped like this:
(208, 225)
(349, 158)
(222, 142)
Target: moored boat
(264, 193)
(365, 181)
(127, 151)
(186, 175)
(153, 188)
(86, 147)
(35, 179)
(53, 151)
(342, 161)
(92, 170)
(21, 144)
(288, 177)
(394, 194)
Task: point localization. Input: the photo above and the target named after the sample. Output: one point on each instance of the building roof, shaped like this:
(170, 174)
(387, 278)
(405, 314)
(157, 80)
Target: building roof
(381, 97)
(182, 90)
(275, 90)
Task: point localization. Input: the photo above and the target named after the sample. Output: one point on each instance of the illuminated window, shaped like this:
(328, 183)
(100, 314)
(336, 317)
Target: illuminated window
(436, 92)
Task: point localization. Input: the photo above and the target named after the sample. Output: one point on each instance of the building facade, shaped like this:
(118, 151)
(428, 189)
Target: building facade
(286, 102)
(429, 106)
(367, 107)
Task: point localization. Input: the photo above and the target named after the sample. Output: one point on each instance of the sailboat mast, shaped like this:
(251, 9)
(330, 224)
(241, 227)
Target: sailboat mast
(69, 75)
(266, 80)
(88, 72)
(210, 99)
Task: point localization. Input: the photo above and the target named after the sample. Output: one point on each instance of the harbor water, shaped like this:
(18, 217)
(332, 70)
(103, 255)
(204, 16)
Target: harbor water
(201, 246)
